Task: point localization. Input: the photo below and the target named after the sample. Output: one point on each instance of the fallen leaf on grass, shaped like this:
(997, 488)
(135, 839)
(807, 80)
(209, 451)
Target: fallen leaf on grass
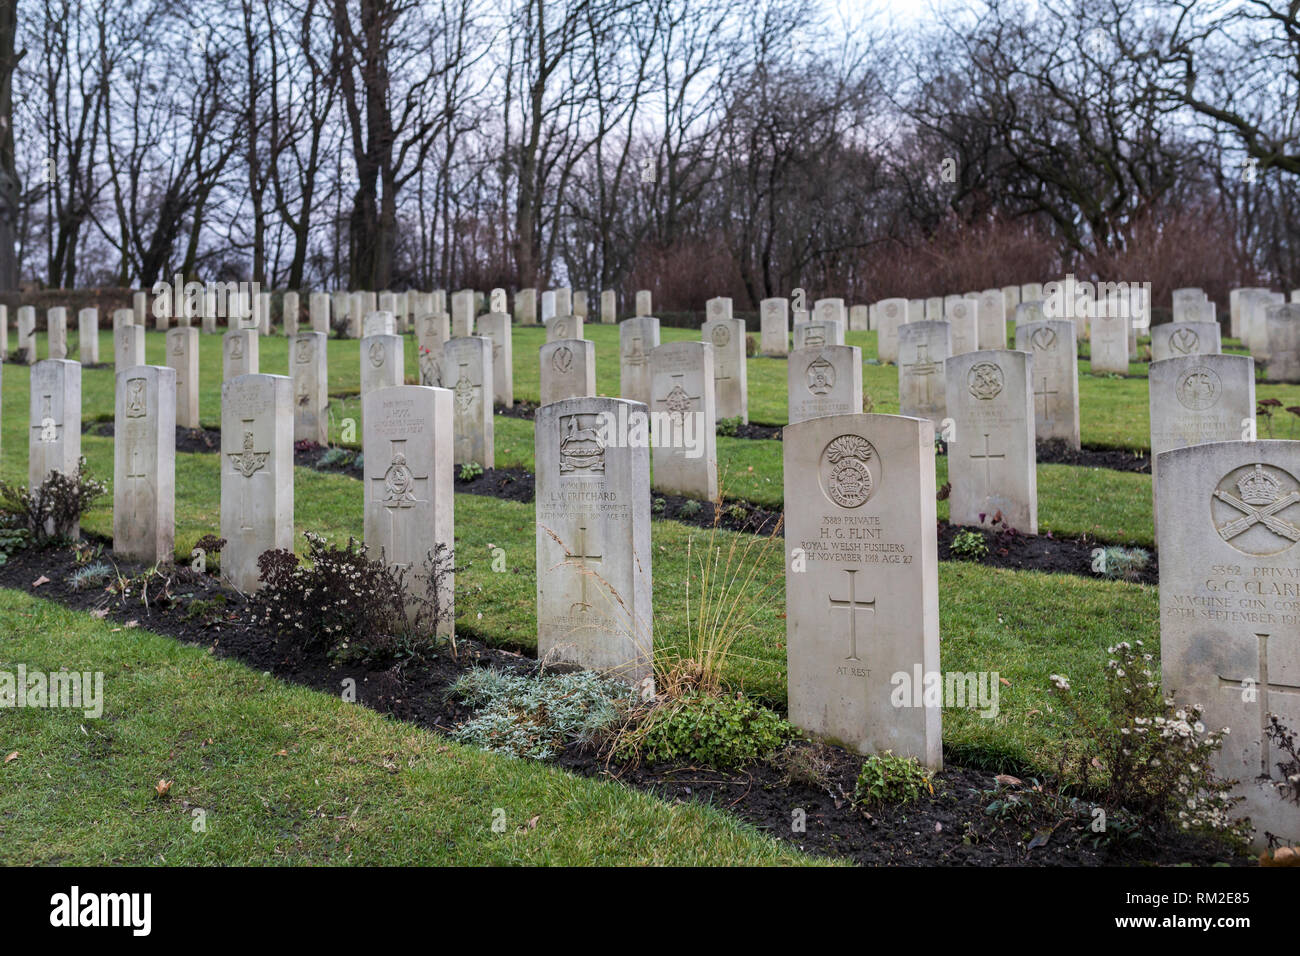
(100, 613)
(163, 787)
(1041, 837)
(41, 580)
(280, 753)
(533, 822)
(1007, 780)
(12, 757)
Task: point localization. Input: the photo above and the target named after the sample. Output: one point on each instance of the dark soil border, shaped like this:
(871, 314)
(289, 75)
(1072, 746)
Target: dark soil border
(950, 827)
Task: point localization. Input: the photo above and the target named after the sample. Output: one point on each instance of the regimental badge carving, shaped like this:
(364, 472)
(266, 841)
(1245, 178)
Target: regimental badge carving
(581, 449)
(179, 347)
(1255, 509)
(814, 338)
(561, 328)
(891, 310)
(1199, 388)
(846, 470)
(1043, 339)
(821, 376)
(562, 359)
(378, 354)
(399, 484)
(984, 380)
(721, 336)
(303, 351)
(678, 402)
(248, 461)
(464, 392)
(135, 398)
(237, 347)
(1185, 341)
(635, 354)
(304, 393)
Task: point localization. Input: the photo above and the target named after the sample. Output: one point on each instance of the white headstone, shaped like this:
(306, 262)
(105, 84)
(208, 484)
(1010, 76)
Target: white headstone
(309, 369)
(88, 336)
(1199, 398)
(730, 368)
(859, 318)
(963, 320)
(289, 313)
(548, 306)
(1229, 519)
(1056, 378)
(608, 307)
(822, 382)
(526, 307)
(818, 334)
(593, 539)
(496, 326)
(774, 326)
(183, 359)
(409, 497)
(467, 371)
(462, 313)
(564, 326)
(892, 313)
(992, 459)
(567, 369)
(923, 347)
(379, 323)
(637, 337)
(685, 420)
(1282, 328)
(128, 346)
(27, 333)
(239, 354)
(256, 473)
(1173, 339)
(55, 433)
(144, 463)
(643, 302)
(862, 583)
(1109, 347)
(56, 327)
(383, 362)
(991, 307)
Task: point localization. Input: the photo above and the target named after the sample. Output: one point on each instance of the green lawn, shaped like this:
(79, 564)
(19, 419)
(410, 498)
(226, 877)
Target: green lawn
(289, 776)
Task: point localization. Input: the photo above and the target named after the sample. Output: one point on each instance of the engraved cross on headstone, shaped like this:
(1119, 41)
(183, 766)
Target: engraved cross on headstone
(925, 369)
(1045, 393)
(988, 458)
(1263, 687)
(580, 560)
(852, 605)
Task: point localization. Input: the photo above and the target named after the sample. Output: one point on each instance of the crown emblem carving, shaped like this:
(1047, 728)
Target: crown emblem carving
(1258, 487)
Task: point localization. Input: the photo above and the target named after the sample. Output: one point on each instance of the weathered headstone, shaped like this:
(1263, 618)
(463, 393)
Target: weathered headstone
(580, 304)
(256, 473)
(318, 305)
(643, 302)
(830, 310)
(467, 371)
(1282, 328)
(915, 311)
(730, 369)
(774, 326)
(1056, 378)
(684, 417)
(1229, 521)
(893, 313)
(1254, 315)
(568, 370)
(379, 323)
(1181, 299)
(1011, 296)
(1199, 398)
(564, 326)
(964, 322)
(991, 455)
(128, 346)
(821, 382)
(608, 307)
(56, 329)
(462, 313)
(183, 359)
(923, 347)
(88, 336)
(717, 308)
(139, 307)
(144, 463)
(1030, 312)
(859, 318)
(1173, 339)
(496, 326)
(1109, 347)
(593, 540)
(309, 369)
(564, 301)
(817, 334)
(862, 583)
(262, 305)
(526, 307)
(637, 337)
(991, 307)
(239, 354)
(934, 308)
(289, 313)
(55, 433)
(548, 306)
(1031, 292)
(409, 496)
(27, 333)
(383, 362)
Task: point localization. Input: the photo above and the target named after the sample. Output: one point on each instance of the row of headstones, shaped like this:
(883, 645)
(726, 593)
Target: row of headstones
(862, 597)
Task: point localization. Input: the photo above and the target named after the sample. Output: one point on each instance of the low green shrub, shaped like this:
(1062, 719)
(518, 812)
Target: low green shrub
(970, 545)
(889, 780)
(719, 732)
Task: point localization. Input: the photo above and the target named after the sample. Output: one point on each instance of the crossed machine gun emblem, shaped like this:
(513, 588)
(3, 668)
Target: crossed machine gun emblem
(1260, 503)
